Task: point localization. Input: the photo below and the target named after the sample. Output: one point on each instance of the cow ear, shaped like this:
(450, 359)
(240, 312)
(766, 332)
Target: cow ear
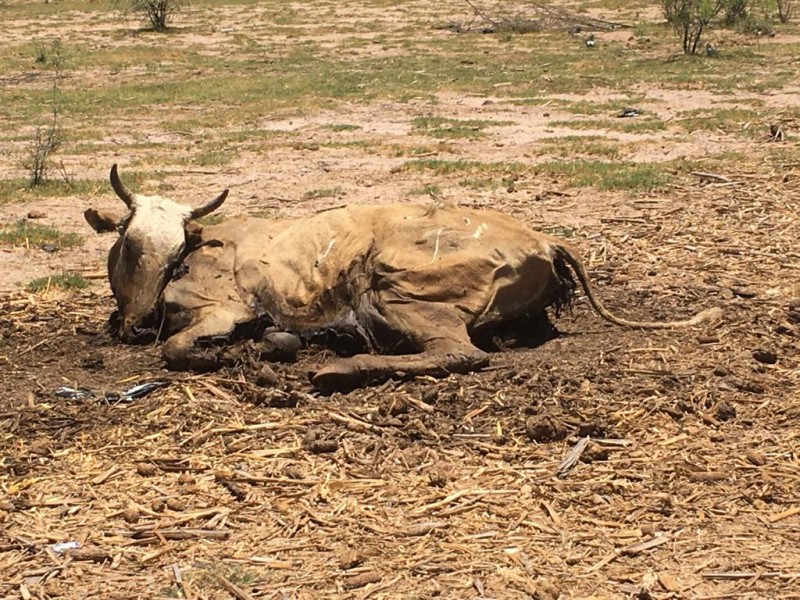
(194, 235)
(101, 221)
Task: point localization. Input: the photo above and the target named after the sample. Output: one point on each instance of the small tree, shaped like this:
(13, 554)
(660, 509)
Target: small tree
(690, 18)
(157, 12)
(47, 139)
(736, 11)
(785, 10)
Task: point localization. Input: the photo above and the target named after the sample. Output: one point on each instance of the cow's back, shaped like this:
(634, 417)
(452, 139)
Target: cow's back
(309, 271)
(488, 265)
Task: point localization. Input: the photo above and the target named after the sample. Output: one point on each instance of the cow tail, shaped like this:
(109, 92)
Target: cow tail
(570, 255)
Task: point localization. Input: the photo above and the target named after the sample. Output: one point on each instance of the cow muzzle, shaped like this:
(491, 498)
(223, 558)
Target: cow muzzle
(137, 331)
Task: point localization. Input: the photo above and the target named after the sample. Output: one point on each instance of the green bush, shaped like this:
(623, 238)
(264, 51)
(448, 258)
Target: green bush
(158, 13)
(690, 18)
(64, 281)
(785, 10)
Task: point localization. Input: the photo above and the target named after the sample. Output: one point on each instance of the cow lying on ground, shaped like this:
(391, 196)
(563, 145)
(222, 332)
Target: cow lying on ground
(415, 285)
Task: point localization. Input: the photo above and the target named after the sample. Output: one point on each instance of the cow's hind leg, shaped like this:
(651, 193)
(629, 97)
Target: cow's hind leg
(438, 332)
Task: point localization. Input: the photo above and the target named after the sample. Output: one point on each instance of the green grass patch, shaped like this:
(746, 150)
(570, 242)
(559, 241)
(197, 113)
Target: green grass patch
(559, 230)
(440, 127)
(351, 144)
(429, 189)
(208, 576)
(64, 281)
(25, 233)
(246, 135)
(323, 193)
(611, 108)
(399, 151)
(627, 125)
(474, 174)
(212, 219)
(742, 121)
(215, 158)
(304, 75)
(448, 167)
(607, 175)
(17, 189)
(576, 145)
(342, 127)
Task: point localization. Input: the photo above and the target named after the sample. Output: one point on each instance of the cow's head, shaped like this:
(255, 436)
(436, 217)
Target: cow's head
(152, 242)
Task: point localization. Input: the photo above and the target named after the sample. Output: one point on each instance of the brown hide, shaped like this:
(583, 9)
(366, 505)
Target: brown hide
(430, 275)
(484, 266)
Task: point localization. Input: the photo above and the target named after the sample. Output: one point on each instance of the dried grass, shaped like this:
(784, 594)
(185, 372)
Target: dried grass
(686, 488)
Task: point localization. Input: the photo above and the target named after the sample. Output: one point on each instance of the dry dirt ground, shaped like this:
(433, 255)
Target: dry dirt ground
(217, 486)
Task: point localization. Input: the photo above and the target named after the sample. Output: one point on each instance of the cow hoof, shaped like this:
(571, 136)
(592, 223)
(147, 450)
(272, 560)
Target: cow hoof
(479, 360)
(279, 346)
(194, 359)
(336, 378)
(140, 337)
(466, 363)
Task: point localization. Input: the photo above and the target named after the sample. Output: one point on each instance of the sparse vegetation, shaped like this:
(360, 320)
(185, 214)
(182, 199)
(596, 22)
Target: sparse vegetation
(756, 18)
(736, 11)
(579, 173)
(323, 193)
(440, 127)
(691, 18)
(785, 10)
(448, 167)
(158, 13)
(214, 218)
(17, 189)
(41, 53)
(399, 151)
(64, 281)
(560, 231)
(607, 175)
(173, 591)
(30, 235)
(576, 145)
(429, 189)
(47, 139)
(209, 576)
(739, 121)
(342, 127)
(215, 158)
(636, 125)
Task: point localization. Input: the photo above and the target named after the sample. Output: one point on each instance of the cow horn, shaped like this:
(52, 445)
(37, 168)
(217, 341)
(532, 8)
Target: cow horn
(124, 193)
(202, 211)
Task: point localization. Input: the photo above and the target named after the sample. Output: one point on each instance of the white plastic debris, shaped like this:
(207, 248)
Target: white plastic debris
(62, 547)
(629, 112)
(73, 393)
(136, 391)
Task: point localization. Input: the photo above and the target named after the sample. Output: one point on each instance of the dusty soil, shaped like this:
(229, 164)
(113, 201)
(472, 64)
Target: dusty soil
(244, 485)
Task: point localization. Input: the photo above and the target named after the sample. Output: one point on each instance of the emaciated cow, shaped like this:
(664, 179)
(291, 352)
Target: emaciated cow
(416, 285)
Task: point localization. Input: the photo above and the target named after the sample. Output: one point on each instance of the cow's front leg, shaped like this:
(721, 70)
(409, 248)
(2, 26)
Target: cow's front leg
(185, 351)
(203, 346)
